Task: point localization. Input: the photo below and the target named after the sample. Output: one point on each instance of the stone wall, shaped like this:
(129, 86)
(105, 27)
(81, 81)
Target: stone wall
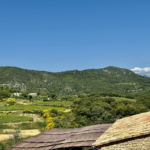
(141, 143)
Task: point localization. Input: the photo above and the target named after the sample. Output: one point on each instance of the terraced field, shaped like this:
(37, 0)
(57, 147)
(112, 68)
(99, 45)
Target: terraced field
(13, 118)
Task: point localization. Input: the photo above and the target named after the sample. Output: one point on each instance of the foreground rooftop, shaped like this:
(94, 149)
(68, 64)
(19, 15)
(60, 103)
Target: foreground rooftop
(126, 128)
(63, 138)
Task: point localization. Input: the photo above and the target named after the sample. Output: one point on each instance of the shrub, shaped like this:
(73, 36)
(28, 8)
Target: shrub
(8, 112)
(27, 111)
(11, 101)
(54, 111)
(50, 123)
(46, 113)
(81, 96)
(45, 99)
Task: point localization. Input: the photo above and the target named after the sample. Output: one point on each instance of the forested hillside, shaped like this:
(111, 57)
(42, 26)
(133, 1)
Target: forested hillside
(96, 108)
(108, 79)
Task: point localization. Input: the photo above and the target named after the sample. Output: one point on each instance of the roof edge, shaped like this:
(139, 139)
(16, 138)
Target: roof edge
(141, 135)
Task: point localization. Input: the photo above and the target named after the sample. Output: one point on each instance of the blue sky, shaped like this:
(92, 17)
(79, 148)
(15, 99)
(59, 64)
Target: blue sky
(60, 35)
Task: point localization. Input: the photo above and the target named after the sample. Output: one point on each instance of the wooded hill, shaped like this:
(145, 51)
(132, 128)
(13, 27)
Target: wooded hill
(109, 79)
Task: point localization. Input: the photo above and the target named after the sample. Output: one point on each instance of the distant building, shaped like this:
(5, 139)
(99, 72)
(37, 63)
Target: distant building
(17, 94)
(130, 133)
(33, 94)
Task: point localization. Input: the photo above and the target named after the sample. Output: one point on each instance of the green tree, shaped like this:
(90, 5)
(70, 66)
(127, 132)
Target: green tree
(144, 100)
(24, 94)
(4, 94)
(97, 111)
(30, 97)
(1, 146)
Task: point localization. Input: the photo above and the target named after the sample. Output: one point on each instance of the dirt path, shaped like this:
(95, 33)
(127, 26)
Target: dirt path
(23, 103)
(25, 133)
(4, 137)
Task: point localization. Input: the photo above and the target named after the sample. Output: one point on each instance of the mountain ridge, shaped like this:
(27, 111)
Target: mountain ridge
(107, 79)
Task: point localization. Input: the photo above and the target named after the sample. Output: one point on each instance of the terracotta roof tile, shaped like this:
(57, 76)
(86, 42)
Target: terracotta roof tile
(125, 128)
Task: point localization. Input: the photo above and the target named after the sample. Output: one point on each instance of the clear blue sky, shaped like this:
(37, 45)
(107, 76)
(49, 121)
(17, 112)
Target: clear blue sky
(60, 35)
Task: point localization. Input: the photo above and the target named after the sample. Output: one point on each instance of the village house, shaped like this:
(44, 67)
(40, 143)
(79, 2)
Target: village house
(68, 139)
(33, 94)
(130, 133)
(17, 94)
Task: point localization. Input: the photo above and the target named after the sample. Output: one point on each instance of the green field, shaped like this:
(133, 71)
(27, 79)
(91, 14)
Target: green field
(54, 102)
(28, 107)
(14, 118)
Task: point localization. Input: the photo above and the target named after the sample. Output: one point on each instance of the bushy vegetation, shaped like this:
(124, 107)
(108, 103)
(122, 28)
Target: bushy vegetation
(97, 109)
(5, 91)
(144, 100)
